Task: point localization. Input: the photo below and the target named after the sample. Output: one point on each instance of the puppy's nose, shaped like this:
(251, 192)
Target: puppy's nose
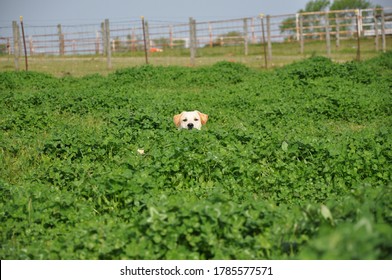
(190, 125)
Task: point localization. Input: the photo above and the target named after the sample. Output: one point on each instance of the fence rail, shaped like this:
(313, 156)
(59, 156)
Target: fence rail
(193, 38)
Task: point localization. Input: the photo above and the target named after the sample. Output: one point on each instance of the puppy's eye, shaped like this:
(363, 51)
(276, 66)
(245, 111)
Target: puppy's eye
(196, 119)
(185, 120)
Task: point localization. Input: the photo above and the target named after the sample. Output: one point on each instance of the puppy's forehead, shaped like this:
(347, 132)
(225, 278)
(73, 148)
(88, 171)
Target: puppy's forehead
(189, 114)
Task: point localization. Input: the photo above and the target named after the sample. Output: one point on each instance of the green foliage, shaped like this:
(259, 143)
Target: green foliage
(350, 4)
(316, 6)
(293, 164)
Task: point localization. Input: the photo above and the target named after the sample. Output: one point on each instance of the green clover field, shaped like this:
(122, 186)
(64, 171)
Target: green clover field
(293, 163)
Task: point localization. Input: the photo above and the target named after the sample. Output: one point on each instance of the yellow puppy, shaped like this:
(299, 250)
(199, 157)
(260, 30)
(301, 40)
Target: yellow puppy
(190, 120)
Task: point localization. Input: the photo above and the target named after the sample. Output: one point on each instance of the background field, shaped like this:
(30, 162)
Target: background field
(258, 42)
(283, 54)
(294, 163)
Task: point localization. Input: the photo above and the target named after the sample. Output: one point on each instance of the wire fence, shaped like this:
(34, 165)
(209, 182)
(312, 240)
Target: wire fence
(263, 38)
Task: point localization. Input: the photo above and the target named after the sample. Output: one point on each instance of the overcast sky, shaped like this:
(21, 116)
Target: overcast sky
(92, 11)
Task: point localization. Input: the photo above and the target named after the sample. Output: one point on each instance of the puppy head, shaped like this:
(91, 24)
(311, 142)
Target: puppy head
(190, 120)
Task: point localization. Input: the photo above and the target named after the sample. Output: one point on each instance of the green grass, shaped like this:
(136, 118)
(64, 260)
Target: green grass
(294, 163)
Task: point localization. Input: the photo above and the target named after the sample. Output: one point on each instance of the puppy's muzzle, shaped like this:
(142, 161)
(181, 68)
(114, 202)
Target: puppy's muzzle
(190, 125)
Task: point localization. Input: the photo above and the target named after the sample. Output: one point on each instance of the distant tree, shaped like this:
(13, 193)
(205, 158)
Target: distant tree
(288, 26)
(350, 4)
(3, 48)
(229, 39)
(179, 44)
(161, 42)
(316, 6)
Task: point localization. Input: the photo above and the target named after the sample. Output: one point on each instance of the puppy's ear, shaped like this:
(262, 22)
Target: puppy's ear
(203, 117)
(177, 120)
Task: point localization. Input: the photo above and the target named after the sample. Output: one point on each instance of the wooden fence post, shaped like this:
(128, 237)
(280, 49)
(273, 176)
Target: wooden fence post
(269, 45)
(245, 36)
(301, 34)
(252, 25)
(171, 36)
(61, 40)
(193, 39)
(107, 39)
(148, 36)
(263, 42)
(210, 34)
(16, 35)
(105, 47)
(376, 36)
(357, 13)
(24, 44)
(337, 31)
(145, 39)
(384, 42)
(327, 35)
